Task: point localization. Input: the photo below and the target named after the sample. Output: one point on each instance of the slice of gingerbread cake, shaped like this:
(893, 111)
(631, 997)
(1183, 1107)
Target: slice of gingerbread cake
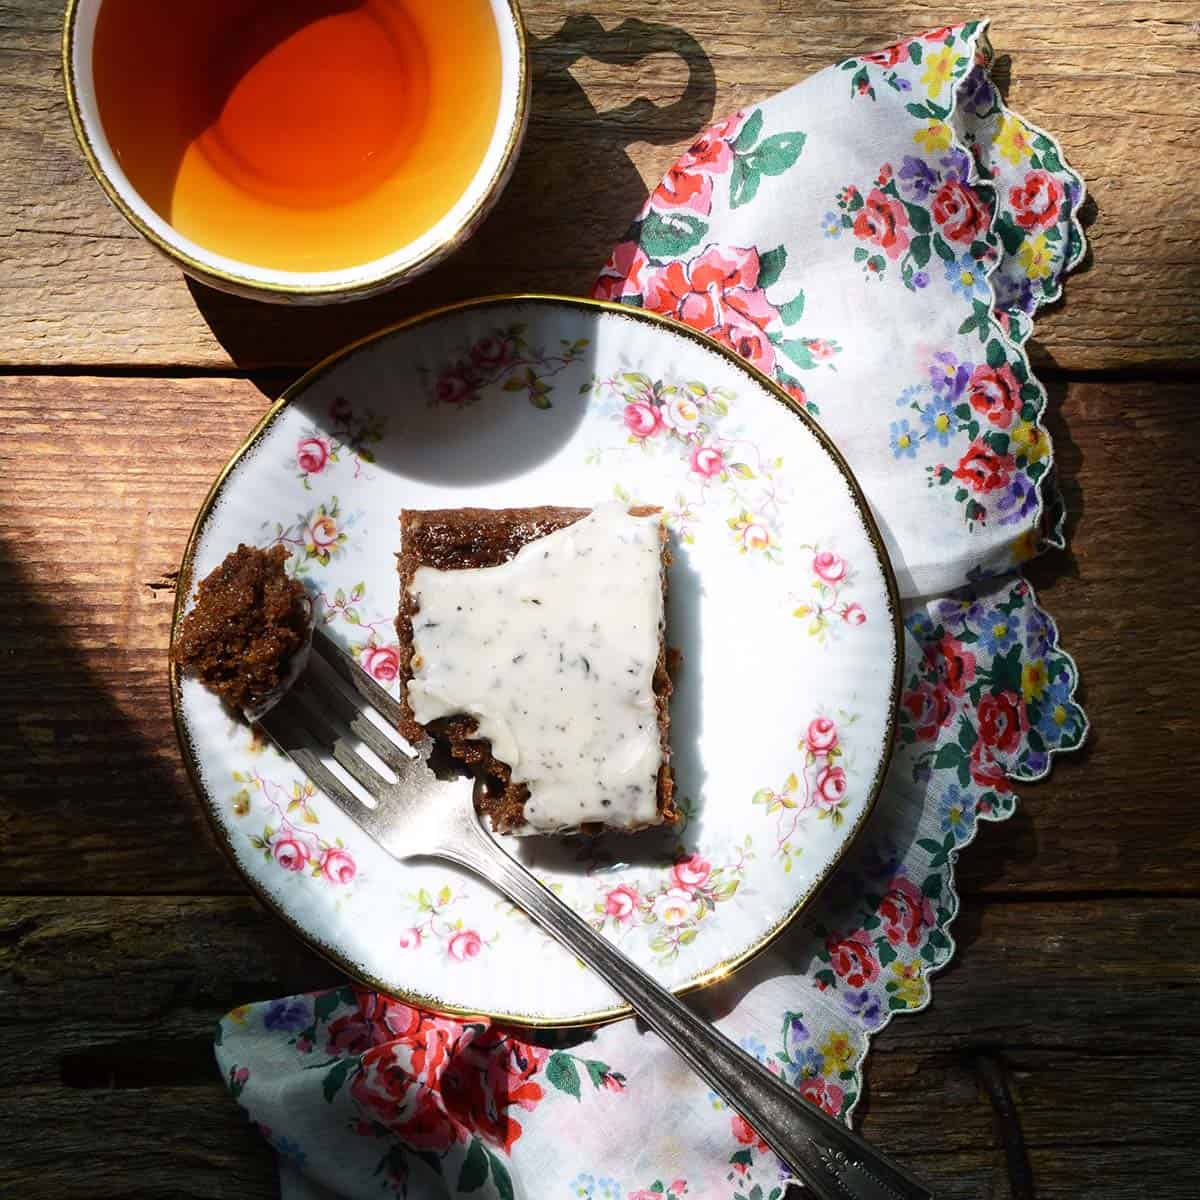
(532, 643)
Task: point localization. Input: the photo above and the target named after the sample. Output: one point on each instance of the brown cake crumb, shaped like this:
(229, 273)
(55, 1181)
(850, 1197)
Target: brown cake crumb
(249, 620)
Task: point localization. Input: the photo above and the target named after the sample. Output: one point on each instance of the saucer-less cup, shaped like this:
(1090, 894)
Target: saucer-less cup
(259, 282)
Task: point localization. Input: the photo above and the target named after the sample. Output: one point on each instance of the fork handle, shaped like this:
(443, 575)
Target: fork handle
(827, 1156)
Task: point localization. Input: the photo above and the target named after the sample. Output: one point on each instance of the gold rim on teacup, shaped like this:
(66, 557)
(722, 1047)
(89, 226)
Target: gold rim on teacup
(303, 287)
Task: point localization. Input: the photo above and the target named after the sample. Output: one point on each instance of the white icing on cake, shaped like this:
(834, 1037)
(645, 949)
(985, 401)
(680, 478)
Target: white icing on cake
(553, 653)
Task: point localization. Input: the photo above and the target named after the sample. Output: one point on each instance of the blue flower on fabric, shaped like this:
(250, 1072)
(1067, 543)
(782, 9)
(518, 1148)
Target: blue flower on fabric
(948, 375)
(998, 630)
(909, 394)
(583, 1186)
(917, 178)
(753, 1046)
(965, 276)
(1058, 721)
(955, 809)
(904, 439)
(1019, 499)
(288, 1015)
(608, 1189)
(290, 1149)
(866, 1006)
(919, 625)
(810, 1064)
(831, 223)
(938, 420)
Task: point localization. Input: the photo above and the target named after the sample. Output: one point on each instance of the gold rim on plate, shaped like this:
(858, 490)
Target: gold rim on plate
(183, 590)
(248, 286)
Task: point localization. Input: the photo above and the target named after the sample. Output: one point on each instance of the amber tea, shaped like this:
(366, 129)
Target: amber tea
(299, 135)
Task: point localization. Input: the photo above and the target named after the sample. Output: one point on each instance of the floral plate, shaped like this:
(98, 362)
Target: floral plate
(781, 600)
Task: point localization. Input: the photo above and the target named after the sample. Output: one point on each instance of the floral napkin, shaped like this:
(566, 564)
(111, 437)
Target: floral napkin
(878, 239)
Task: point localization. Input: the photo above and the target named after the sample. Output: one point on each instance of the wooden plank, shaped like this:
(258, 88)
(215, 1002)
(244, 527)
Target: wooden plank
(1116, 81)
(103, 479)
(110, 1005)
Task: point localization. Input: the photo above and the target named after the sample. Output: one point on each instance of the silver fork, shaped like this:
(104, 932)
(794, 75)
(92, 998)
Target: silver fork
(421, 815)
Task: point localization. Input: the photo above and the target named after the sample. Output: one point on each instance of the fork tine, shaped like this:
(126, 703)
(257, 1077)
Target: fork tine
(312, 704)
(286, 725)
(358, 722)
(356, 677)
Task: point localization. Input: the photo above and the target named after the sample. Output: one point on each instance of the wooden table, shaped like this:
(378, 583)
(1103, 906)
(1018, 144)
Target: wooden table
(1070, 1016)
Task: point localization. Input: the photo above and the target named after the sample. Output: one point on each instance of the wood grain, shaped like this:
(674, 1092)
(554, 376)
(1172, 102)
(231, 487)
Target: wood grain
(1118, 84)
(110, 1005)
(105, 478)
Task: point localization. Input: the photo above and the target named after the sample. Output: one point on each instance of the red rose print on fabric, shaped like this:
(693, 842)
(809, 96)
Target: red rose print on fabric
(1037, 203)
(717, 292)
(883, 222)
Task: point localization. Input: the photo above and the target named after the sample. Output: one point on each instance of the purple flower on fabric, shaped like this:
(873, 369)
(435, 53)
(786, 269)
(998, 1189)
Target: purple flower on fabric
(287, 1015)
(1036, 762)
(956, 165)
(948, 375)
(917, 177)
(1039, 633)
(920, 279)
(865, 1005)
(1014, 292)
(951, 612)
(1074, 191)
(797, 1030)
(1019, 499)
(977, 91)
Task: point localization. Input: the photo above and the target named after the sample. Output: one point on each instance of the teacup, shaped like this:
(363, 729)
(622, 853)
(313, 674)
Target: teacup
(299, 151)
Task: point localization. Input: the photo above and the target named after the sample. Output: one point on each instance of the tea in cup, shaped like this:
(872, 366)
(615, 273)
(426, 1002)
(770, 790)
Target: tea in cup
(299, 150)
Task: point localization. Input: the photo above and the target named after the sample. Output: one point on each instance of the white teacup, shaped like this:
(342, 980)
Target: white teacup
(301, 286)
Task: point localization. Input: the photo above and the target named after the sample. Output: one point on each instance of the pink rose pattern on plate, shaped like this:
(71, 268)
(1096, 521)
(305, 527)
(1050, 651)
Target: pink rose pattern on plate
(988, 698)
(818, 788)
(320, 448)
(501, 357)
(827, 612)
(435, 928)
(289, 837)
(687, 419)
(670, 909)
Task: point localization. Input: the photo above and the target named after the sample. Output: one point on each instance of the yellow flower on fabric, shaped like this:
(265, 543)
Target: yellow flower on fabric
(910, 983)
(239, 1015)
(1025, 547)
(1013, 141)
(1031, 441)
(934, 138)
(1034, 679)
(838, 1053)
(939, 66)
(1036, 257)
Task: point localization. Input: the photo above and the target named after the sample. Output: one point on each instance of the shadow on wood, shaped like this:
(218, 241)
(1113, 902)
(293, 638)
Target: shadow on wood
(574, 193)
